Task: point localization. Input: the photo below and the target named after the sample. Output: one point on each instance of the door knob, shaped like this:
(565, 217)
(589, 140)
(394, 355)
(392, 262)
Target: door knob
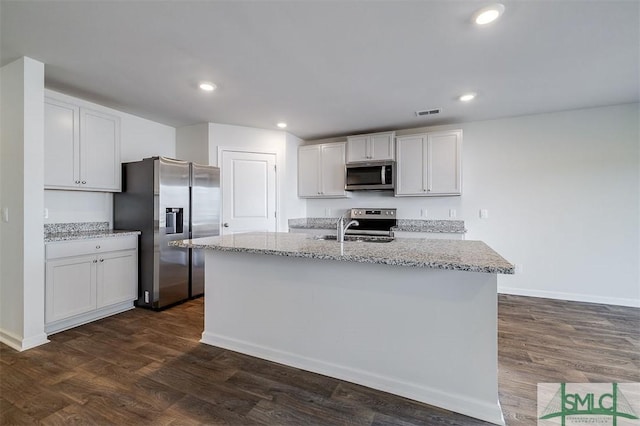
(226, 225)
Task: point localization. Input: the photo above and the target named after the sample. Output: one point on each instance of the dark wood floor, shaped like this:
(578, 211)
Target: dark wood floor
(145, 367)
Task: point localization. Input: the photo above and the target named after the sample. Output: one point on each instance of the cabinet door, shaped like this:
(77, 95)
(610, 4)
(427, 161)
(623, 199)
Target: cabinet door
(381, 146)
(444, 161)
(410, 166)
(70, 287)
(332, 169)
(357, 149)
(61, 144)
(117, 277)
(99, 151)
(309, 171)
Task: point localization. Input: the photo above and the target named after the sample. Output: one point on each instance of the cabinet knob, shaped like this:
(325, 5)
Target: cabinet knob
(101, 260)
(84, 182)
(77, 182)
(97, 247)
(226, 225)
(95, 261)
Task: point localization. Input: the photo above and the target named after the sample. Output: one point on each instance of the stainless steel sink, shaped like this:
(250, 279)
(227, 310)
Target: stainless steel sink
(357, 238)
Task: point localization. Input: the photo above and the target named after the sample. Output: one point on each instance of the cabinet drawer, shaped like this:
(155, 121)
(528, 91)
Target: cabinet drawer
(93, 246)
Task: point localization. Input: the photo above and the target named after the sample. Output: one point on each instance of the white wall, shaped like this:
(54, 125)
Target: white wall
(22, 170)
(562, 190)
(139, 138)
(294, 207)
(192, 143)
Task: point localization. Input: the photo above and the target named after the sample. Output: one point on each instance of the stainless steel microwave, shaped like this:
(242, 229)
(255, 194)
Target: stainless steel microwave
(374, 175)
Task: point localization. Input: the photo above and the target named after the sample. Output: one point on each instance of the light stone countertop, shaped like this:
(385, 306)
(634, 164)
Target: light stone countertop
(458, 255)
(406, 225)
(81, 231)
(86, 235)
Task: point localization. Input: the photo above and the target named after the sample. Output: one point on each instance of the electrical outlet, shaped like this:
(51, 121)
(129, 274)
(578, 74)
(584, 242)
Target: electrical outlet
(452, 213)
(46, 213)
(423, 212)
(484, 214)
(327, 212)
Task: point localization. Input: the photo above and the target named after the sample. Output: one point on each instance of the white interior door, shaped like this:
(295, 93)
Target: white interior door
(248, 192)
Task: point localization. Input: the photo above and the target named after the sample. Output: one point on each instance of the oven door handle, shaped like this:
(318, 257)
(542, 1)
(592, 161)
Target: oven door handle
(383, 175)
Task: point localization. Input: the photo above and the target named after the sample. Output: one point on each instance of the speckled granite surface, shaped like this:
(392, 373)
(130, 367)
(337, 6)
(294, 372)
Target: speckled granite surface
(81, 231)
(459, 255)
(56, 228)
(313, 223)
(420, 225)
(407, 225)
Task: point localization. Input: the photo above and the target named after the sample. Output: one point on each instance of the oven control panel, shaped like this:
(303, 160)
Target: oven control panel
(362, 213)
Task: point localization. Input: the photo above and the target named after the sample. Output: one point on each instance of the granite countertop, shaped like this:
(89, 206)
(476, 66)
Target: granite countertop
(406, 225)
(459, 255)
(81, 231)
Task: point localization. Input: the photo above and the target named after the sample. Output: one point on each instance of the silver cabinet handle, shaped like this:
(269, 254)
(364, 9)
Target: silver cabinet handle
(226, 225)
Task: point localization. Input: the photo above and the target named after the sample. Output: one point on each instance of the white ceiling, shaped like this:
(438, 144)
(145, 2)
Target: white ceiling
(329, 67)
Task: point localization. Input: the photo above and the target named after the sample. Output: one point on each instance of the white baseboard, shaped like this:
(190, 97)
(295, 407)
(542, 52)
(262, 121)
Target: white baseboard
(22, 344)
(460, 404)
(77, 320)
(575, 297)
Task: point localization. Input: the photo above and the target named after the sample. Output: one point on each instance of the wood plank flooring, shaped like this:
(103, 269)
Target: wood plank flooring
(147, 368)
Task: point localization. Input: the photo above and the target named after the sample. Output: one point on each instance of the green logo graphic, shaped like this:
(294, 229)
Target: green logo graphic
(585, 404)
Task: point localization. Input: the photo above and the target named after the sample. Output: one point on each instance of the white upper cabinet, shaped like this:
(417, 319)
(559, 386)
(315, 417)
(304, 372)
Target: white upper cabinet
(82, 148)
(321, 171)
(371, 147)
(62, 143)
(429, 164)
(99, 150)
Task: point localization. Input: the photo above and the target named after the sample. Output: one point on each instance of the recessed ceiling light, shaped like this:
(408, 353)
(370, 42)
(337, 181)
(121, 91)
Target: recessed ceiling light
(467, 97)
(488, 14)
(282, 125)
(207, 87)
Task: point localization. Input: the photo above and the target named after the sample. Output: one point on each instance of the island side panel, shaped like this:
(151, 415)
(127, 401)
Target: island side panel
(426, 334)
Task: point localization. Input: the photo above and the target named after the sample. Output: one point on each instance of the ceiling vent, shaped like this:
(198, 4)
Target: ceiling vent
(428, 112)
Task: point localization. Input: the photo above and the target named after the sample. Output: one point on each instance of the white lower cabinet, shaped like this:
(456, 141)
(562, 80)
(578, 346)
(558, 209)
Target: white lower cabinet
(88, 280)
(71, 287)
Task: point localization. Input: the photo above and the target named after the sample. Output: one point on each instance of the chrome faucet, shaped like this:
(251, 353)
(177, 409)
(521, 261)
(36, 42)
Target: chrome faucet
(341, 228)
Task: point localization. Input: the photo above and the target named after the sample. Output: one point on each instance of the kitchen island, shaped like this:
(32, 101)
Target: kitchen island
(413, 317)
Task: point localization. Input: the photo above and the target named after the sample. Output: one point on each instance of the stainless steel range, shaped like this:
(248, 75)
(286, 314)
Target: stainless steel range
(367, 225)
(373, 222)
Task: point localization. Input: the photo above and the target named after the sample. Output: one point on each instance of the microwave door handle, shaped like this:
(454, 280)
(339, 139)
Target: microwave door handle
(383, 175)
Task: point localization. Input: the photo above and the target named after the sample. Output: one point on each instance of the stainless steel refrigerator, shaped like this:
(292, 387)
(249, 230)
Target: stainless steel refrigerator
(168, 200)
